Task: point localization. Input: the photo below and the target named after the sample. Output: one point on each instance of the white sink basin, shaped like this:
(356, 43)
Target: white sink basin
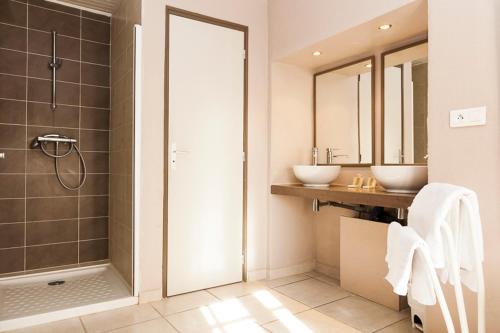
(316, 175)
(401, 178)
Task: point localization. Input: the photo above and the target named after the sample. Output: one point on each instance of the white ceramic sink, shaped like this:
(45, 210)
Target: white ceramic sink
(401, 178)
(316, 175)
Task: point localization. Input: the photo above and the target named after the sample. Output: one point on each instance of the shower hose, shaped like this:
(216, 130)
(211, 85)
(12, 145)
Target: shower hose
(56, 156)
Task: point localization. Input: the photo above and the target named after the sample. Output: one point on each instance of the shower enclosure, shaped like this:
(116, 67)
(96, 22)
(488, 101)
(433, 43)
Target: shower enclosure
(68, 116)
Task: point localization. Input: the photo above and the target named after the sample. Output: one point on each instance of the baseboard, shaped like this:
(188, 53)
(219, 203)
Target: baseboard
(331, 271)
(256, 275)
(291, 270)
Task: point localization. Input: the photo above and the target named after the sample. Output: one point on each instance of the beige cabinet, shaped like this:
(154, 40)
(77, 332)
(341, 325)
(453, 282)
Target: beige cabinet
(363, 246)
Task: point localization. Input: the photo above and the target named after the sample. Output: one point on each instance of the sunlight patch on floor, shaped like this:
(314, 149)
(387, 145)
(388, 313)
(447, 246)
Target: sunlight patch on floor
(231, 316)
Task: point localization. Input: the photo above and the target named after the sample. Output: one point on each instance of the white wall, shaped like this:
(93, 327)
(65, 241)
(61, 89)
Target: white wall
(254, 15)
(464, 71)
(291, 239)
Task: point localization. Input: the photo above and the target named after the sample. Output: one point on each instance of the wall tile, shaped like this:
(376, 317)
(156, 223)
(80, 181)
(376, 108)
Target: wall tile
(93, 250)
(39, 163)
(93, 228)
(95, 31)
(12, 12)
(93, 206)
(97, 17)
(11, 235)
(14, 162)
(12, 186)
(13, 38)
(42, 209)
(11, 260)
(13, 62)
(69, 71)
(42, 115)
(94, 140)
(41, 91)
(12, 112)
(96, 184)
(97, 162)
(12, 136)
(48, 20)
(30, 191)
(12, 87)
(95, 53)
(38, 233)
(51, 255)
(95, 75)
(48, 185)
(96, 97)
(94, 118)
(41, 43)
(12, 210)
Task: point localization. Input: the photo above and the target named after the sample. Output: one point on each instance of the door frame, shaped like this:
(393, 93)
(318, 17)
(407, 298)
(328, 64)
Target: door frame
(226, 24)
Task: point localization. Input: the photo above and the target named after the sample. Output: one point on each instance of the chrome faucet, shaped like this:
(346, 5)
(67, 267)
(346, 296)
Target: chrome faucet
(315, 156)
(330, 156)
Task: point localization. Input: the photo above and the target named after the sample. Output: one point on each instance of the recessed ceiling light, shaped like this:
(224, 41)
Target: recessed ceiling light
(368, 65)
(385, 27)
(316, 53)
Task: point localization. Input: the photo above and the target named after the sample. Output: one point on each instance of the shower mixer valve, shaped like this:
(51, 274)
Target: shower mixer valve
(42, 141)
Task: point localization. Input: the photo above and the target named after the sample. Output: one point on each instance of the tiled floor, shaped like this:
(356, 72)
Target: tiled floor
(305, 303)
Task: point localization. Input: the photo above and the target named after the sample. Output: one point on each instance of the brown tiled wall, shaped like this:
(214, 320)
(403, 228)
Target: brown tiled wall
(42, 225)
(122, 135)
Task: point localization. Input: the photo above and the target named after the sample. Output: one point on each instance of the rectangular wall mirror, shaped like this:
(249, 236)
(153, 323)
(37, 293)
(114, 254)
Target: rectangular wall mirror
(343, 113)
(404, 105)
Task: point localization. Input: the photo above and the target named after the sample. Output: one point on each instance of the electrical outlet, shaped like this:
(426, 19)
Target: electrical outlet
(468, 117)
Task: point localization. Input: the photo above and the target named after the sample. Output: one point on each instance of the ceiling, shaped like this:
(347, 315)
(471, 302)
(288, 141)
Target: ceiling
(106, 6)
(408, 21)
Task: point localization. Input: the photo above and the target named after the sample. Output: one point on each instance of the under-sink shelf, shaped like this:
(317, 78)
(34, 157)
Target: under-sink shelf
(344, 194)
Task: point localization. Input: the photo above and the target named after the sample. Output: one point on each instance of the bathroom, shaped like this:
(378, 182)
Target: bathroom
(123, 134)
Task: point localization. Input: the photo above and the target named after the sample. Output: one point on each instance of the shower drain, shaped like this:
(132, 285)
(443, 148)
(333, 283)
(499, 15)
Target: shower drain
(56, 283)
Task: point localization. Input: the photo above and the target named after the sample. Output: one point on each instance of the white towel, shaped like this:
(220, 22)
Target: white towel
(406, 264)
(457, 206)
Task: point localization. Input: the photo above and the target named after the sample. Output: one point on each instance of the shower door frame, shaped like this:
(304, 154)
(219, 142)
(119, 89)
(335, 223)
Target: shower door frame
(230, 25)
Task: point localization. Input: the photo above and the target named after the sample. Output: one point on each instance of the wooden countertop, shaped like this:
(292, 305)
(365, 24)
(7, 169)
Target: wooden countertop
(343, 194)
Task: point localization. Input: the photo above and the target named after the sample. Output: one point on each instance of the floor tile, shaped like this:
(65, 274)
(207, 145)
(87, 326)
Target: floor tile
(313, 293)
(183, 302)
(310, 321)
(362, 314)
(109, 320)
(159, 325)
(285, 280)
(72, 325)
(403, 326)
(324, 278)
(264, 304)
(236, 289)
(231, 315)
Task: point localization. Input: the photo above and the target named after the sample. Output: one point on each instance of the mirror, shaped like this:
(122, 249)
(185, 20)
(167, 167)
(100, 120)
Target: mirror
(404, 105)
(343, 113)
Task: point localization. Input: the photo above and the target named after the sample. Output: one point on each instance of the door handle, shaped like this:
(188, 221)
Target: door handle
(173, 155)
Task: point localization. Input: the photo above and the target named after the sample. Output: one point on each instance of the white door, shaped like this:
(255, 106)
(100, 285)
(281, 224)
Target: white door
(206, 160)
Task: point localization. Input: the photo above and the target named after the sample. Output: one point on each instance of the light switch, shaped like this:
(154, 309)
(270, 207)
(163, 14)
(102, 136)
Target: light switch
(468, 117)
